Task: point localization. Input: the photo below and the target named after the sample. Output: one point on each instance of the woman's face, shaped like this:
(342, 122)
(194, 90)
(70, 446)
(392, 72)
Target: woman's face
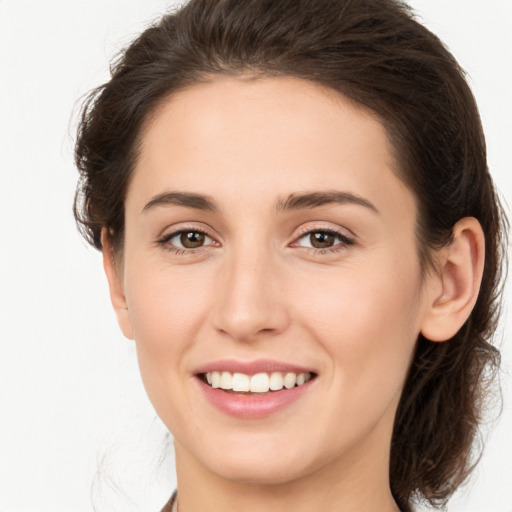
(266, 232)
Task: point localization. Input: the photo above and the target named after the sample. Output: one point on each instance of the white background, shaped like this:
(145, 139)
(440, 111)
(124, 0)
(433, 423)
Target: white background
(70, 394)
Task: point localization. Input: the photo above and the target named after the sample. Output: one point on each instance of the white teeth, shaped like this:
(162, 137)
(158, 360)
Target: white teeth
(240, 382)
(258, 383)
(226, 380)
(276, 381)
(290, 379)
(215, 376)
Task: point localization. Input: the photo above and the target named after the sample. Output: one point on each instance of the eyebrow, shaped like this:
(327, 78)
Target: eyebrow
(297, 201)
(186, 199)
(316, 199)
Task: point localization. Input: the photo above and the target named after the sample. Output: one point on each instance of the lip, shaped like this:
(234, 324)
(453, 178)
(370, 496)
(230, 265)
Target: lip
(244, 406)
(253, 406)
(251, 367)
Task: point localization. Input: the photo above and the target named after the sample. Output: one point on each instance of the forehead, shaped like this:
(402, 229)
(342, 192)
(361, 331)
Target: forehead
(261, 139)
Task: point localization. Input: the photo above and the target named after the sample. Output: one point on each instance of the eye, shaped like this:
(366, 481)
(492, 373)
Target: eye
(323, 239)
(187, 239)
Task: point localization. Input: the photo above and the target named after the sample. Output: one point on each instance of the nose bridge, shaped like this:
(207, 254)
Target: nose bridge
(250, 302)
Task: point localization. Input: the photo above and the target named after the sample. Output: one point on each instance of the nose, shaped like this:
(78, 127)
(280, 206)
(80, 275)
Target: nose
(251, 297)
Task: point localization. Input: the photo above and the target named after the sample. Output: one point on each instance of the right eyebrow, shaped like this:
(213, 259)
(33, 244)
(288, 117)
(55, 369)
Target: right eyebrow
(186, 199)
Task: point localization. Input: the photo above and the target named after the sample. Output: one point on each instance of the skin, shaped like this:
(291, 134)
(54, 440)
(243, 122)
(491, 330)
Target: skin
(257, 289)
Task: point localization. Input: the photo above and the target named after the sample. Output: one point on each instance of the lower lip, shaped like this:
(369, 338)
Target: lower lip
(253, 406)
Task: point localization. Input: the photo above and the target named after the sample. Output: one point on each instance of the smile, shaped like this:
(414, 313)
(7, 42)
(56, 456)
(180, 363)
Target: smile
(258, 383)
(251, 391)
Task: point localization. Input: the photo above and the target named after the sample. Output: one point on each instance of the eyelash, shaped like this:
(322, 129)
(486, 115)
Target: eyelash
(344, 243)
(165, 239)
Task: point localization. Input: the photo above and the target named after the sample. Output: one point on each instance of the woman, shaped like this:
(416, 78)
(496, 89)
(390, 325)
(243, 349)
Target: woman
(291, 200)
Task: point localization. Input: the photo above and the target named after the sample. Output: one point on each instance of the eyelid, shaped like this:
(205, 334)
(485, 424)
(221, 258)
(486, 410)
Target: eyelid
(347, 238)
(319, 226)
(314, 227)
(171, 232)
(200, 227)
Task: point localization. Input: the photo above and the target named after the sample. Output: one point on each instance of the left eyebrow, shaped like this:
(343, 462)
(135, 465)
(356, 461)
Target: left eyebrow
(316, 199)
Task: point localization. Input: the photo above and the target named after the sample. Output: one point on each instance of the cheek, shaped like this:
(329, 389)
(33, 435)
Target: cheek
(367, 324)
(165, 307)
(367, 319)
(166, 310)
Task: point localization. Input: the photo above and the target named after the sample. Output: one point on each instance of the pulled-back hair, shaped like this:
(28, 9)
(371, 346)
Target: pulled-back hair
(375, 53)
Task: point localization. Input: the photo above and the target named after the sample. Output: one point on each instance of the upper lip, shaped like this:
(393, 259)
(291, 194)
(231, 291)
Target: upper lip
(251, 367)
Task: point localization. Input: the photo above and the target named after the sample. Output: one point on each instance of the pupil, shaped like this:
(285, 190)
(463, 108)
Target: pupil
(321, 240)
(192, 239)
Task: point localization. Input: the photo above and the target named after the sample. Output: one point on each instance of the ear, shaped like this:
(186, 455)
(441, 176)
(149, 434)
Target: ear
(452, 291)
(115, 283)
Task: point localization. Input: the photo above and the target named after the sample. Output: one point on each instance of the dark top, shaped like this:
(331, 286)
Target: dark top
(170, 504)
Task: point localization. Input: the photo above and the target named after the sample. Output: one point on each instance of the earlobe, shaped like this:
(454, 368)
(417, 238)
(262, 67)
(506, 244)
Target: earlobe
(115, 284)
(452, 291)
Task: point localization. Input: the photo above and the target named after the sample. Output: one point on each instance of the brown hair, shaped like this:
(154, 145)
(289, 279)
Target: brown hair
(375, 53)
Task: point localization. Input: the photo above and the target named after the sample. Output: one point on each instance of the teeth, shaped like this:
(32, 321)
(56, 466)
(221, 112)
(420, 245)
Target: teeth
(258, 383)
(215, 377)
(226, 380)
(290, 379)
(240, 382)
(276, 381)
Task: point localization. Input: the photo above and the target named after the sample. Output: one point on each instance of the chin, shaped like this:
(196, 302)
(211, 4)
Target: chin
(260, 463)
(268, 472)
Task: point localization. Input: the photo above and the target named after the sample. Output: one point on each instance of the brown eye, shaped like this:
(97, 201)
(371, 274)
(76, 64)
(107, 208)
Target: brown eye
(192, 239)
(322, 239)
(186, 240)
